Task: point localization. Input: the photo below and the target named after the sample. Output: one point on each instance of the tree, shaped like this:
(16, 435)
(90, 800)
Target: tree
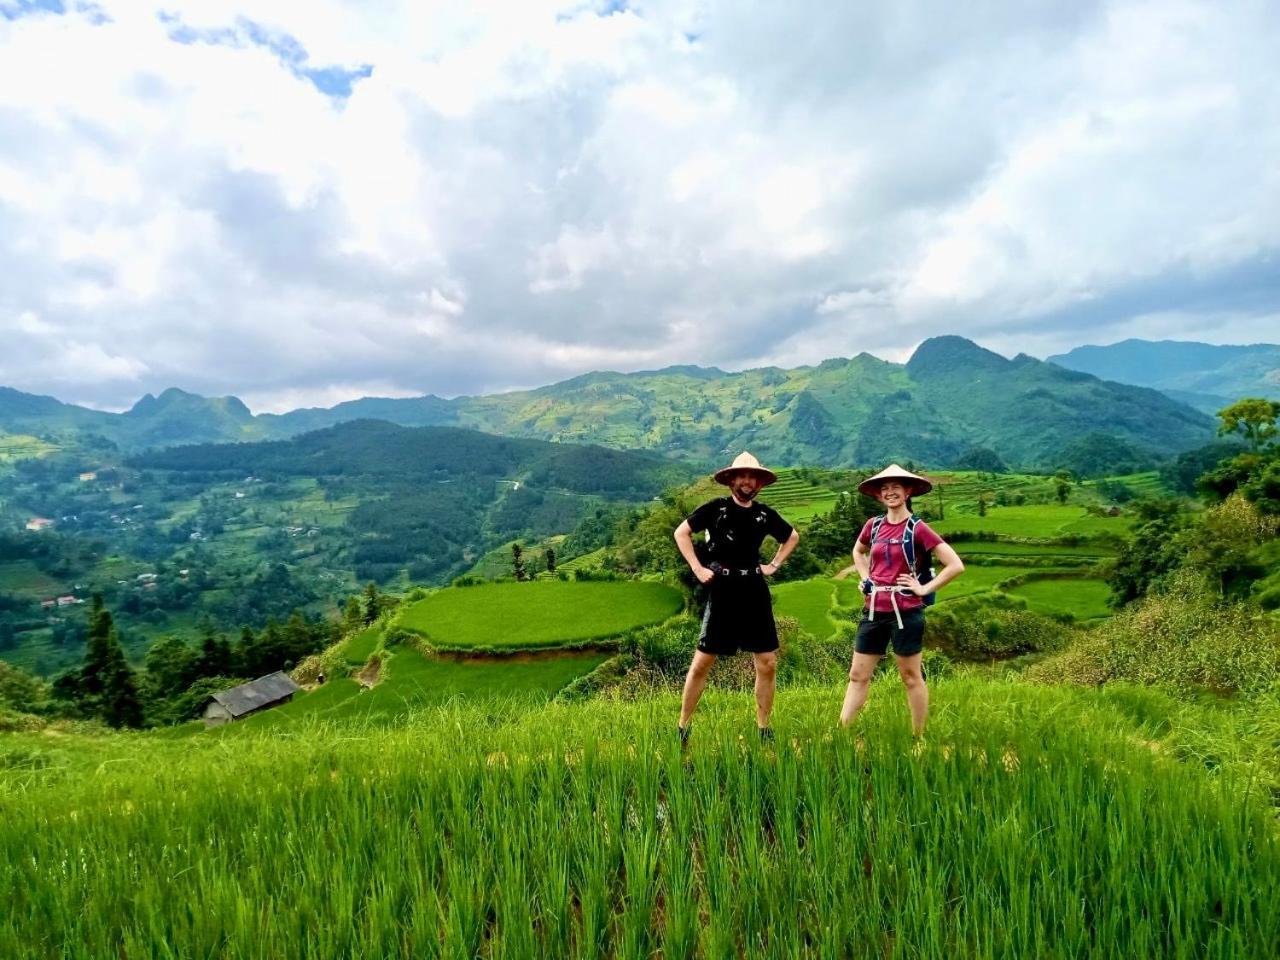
(170, 666)
(98, 653)
(1062, 490)
(517, 561)
(214, 659)
(106, 687)
(352, 614)
(1153, 552)
(1253, 417)
(551, 560)
(372, 603)
(982, 505)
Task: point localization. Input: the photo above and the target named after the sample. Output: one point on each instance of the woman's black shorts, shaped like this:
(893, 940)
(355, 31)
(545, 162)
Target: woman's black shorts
(738, 616)
(874, 635)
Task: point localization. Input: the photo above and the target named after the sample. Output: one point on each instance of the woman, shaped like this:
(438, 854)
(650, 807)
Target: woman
(894, 609)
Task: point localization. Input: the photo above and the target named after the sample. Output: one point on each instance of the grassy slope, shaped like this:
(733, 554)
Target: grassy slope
(542, 614)
(412, 681)
(1039, 521)
(1036, 822)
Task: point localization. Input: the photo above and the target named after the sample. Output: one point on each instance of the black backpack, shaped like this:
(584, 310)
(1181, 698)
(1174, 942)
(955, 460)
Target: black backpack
(923, 574)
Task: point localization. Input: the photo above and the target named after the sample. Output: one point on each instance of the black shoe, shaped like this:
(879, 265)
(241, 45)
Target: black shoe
(684, 734)
(766, 734)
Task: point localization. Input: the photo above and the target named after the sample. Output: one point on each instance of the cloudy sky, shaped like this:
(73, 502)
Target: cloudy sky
(304, 201)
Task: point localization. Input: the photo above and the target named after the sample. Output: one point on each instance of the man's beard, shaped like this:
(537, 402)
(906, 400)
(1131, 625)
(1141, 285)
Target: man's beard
(741, 495)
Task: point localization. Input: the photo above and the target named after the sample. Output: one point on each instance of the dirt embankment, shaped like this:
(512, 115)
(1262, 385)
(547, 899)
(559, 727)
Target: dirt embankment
(370, 673)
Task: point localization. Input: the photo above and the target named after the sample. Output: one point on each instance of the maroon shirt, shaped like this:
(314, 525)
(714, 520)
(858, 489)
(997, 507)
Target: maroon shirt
(888, 561)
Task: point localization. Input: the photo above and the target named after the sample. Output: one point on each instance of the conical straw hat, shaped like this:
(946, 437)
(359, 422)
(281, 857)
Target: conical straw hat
(745, 461)
(919, 484)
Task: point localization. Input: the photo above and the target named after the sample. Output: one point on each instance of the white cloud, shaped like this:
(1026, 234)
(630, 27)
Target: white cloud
(520, 192)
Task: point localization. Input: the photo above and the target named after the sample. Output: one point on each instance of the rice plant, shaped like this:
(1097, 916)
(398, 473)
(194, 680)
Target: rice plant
(1030, 824)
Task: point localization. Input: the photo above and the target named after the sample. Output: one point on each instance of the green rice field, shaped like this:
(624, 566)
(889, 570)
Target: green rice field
(1039, 522)
(18, 446)
(24, 577)
(1005, 548)
(1033, 822)
(807, 601)
(545, 613)
(796, 498)
(1083, 598)
(358, 649)
(411, 681)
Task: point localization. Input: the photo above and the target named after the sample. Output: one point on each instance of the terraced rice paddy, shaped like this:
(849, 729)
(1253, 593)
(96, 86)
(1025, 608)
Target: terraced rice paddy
(1041, 521)
(411, 681)
(24, 577)
(1034, 822)
(358, 649)
(808, 602)
(796, 498)
(1084, 599)
(551, 613)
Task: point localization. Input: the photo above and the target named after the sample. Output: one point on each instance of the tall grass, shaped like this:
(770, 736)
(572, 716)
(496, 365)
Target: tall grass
(1027, 826)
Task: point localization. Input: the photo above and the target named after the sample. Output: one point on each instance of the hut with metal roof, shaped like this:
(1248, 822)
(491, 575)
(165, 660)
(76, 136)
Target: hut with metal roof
(248, 698)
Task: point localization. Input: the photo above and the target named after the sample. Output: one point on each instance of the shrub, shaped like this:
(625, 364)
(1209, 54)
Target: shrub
(993, 626)
(12, 721)
(1183, 638)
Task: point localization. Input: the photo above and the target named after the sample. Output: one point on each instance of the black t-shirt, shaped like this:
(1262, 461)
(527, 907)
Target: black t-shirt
(734, 533)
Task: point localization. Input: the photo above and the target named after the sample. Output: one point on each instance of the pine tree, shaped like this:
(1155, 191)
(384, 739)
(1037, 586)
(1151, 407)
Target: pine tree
(352, 614)
(214, 659)
(97, 654)
(551, 560)
(517, 561)
(372, 603)
(107, 686)
(121, 705)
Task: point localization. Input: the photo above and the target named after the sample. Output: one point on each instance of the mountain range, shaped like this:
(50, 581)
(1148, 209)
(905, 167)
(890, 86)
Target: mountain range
(951, 398)
(1206, 376)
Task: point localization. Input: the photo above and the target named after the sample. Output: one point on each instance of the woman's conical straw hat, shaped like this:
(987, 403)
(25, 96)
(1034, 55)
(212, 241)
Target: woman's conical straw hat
(919, 484)
(745, 461)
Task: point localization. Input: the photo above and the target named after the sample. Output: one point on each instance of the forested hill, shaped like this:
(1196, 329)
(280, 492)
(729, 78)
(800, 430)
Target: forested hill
(428, 455)
(1207, 376)
(950, 400)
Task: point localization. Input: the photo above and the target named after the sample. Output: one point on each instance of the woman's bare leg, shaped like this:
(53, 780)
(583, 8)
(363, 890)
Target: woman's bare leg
(855, 694)
(917, 693)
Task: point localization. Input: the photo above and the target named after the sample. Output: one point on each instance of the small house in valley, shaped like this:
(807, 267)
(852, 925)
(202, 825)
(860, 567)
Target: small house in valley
(248, 698)
(39, 523)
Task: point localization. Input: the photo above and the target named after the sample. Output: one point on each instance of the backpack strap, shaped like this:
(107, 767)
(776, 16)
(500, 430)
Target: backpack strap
(909, 542)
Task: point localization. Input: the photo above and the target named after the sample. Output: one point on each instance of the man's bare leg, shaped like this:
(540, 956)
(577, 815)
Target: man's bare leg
(695, 682)
(917, 693)
(766, 679)
(855, 694)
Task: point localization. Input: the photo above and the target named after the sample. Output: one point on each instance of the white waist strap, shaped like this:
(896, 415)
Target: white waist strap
(892, 590)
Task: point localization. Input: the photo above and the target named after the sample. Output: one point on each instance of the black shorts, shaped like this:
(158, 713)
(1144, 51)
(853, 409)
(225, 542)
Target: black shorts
(874, 635)
(738, 616)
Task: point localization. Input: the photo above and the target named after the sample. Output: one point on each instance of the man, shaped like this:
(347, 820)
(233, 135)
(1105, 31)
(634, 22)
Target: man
(739, 611)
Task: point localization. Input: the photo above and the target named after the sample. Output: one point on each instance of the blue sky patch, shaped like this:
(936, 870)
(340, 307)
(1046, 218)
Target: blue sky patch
(333, 81)
(14, 9)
